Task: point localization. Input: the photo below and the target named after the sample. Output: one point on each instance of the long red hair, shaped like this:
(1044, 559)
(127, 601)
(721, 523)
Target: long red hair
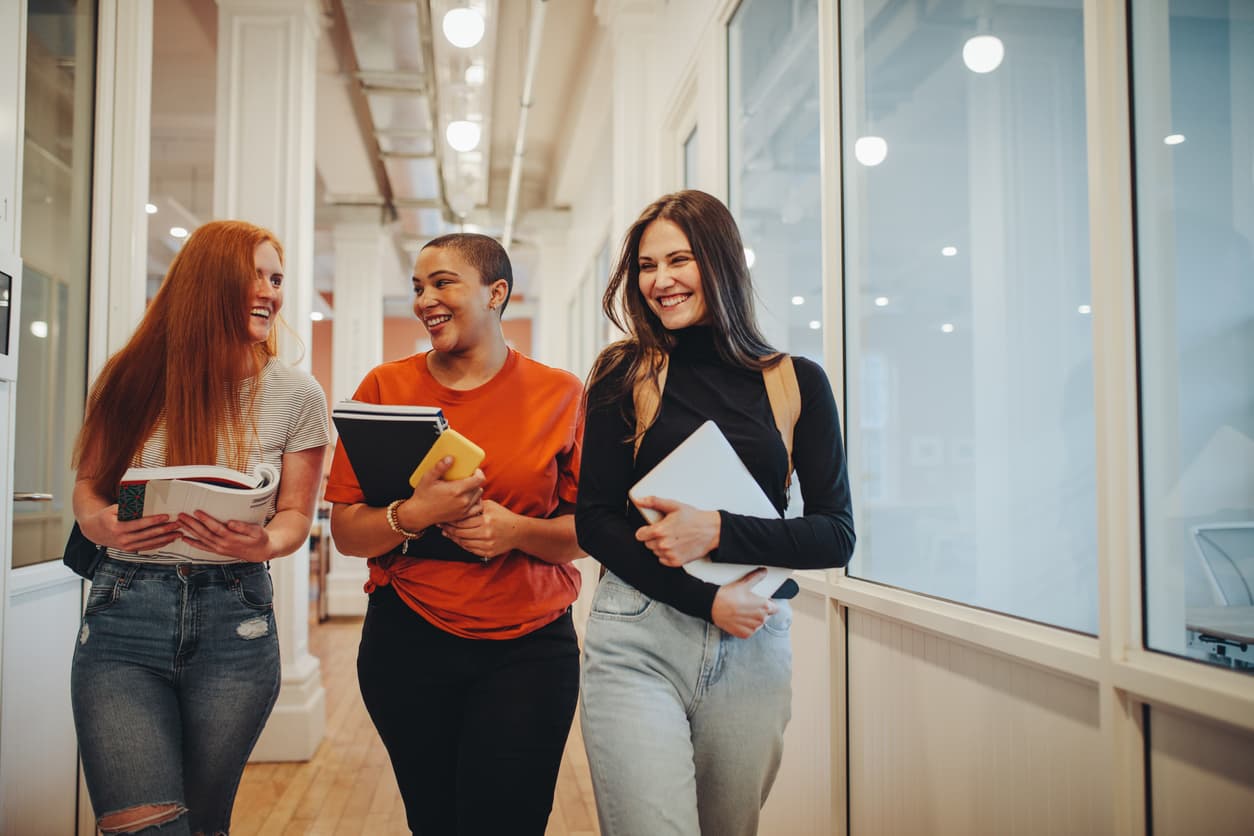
(184, 363)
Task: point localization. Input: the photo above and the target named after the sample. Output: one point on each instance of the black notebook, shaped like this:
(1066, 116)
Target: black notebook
(384, 443)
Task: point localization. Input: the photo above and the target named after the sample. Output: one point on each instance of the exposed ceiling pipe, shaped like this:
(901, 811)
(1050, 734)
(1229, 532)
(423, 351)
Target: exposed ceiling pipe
(520, 142)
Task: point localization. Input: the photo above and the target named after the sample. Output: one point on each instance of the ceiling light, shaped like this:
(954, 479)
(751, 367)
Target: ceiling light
(750, 257)
(1173, 139)
(474, 74)
(462, 135)
(949, 251)
(1085, 309)
(870, 150)
(316, 316)
(39, 328)
(463, 27)
(983, 53)
(815, 325)
(178, 232)
(150, 208)
(798, 300)
(948, 327)
(881, 301)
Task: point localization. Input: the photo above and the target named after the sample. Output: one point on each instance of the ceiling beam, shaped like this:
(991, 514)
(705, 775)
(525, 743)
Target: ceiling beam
(342, 42)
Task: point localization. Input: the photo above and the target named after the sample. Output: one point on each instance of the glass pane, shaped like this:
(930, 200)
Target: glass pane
(602, 271)
(184, 96)
(1193, 84)
(773, 153)
(970, 398)
(56, 215)
(690, 160)
(574, 336)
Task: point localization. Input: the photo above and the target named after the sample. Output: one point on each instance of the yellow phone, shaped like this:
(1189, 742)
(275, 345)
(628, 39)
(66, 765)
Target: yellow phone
(466, 457)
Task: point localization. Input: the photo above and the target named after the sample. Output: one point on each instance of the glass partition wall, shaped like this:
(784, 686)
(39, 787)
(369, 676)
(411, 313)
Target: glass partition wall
(773, 165)
(1193, 106)
(56, 236)
(966, 264)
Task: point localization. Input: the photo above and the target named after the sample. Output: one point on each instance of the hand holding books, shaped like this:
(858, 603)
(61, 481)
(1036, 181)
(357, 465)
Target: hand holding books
(219, 511)
(437, 499)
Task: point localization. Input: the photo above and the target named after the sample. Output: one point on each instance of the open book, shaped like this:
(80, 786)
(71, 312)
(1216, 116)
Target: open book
(220, 492)
(705, 472)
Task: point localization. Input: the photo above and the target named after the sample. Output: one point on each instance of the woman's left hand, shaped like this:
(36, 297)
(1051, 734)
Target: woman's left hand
(487, 534)
(248, 542)
(683, 535)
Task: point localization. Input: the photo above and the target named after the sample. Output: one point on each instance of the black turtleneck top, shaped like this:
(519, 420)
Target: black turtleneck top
(700, 386)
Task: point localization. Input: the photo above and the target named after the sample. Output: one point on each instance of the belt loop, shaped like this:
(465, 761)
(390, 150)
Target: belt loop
(227, 573)
(128, 573)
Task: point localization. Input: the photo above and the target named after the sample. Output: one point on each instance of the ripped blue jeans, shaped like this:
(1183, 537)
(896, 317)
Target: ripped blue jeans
(175, 672)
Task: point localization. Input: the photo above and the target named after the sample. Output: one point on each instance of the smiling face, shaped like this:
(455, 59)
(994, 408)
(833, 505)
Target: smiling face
(452, 302)
(670, 280)
(267, 293)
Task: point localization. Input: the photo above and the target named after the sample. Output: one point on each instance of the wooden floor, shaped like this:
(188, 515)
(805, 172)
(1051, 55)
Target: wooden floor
(348, 787)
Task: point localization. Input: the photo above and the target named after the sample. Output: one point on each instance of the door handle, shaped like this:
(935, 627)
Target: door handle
(32, 497)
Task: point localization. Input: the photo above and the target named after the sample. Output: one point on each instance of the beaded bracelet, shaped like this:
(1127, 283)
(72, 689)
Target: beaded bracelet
(394, 523)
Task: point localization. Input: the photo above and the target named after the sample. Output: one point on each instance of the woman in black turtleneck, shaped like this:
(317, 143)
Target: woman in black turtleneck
(686, 686)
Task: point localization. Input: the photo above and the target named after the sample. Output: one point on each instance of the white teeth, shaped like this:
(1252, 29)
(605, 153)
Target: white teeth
(261, 312)
(672, 301)
(437, 320)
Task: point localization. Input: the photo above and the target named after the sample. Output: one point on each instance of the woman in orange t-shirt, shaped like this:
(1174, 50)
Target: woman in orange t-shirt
(468, 661)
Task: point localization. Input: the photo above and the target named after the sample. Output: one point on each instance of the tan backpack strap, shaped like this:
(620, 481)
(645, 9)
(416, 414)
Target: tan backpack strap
(785, 397)
(647, 399)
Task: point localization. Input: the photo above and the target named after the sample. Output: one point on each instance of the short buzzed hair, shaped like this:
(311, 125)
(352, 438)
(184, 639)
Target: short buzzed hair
(484, 253)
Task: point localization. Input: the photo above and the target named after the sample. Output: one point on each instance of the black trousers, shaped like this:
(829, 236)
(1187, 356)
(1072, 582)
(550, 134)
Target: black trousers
(475, 728)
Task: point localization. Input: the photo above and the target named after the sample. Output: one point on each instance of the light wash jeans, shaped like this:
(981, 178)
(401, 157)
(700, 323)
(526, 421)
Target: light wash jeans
(682, 722)
(175, 671)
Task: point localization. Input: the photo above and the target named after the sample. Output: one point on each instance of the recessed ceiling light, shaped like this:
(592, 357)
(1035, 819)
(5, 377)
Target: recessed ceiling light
(1173, 139)
(39, 328)
(1085, 309)
(815, 325)
(949, 251)
(178, 232)
(150, 208)
(881, 301)
(316, 316)
(948, 327)
(474, 74)
(983, 53)
(462, 135)
(870, 150)
(798, 300)
(463, 27)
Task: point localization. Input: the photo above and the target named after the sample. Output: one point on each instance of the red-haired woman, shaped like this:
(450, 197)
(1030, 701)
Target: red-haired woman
(176, 667)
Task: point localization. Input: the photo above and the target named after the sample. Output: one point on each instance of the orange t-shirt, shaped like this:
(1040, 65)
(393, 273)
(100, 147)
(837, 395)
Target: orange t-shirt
(526, 420)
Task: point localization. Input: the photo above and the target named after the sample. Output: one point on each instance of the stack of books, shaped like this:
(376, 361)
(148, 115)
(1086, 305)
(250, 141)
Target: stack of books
(391, 446)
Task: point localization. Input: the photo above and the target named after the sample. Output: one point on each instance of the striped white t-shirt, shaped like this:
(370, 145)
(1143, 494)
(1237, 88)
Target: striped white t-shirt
(291, 415)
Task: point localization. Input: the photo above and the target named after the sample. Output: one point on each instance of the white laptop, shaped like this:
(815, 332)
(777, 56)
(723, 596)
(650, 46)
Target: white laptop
(705, 472)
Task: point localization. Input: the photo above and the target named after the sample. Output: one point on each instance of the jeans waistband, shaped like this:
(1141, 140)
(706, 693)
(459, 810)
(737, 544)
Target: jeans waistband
(209, 573)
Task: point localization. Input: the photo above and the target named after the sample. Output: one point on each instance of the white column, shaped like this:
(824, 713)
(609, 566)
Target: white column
(550, 231)
(356, 348)
(264, 173)
(635, 106)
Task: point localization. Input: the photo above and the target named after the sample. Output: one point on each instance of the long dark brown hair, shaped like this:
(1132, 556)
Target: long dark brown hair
(725, 283)
(185, 361)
